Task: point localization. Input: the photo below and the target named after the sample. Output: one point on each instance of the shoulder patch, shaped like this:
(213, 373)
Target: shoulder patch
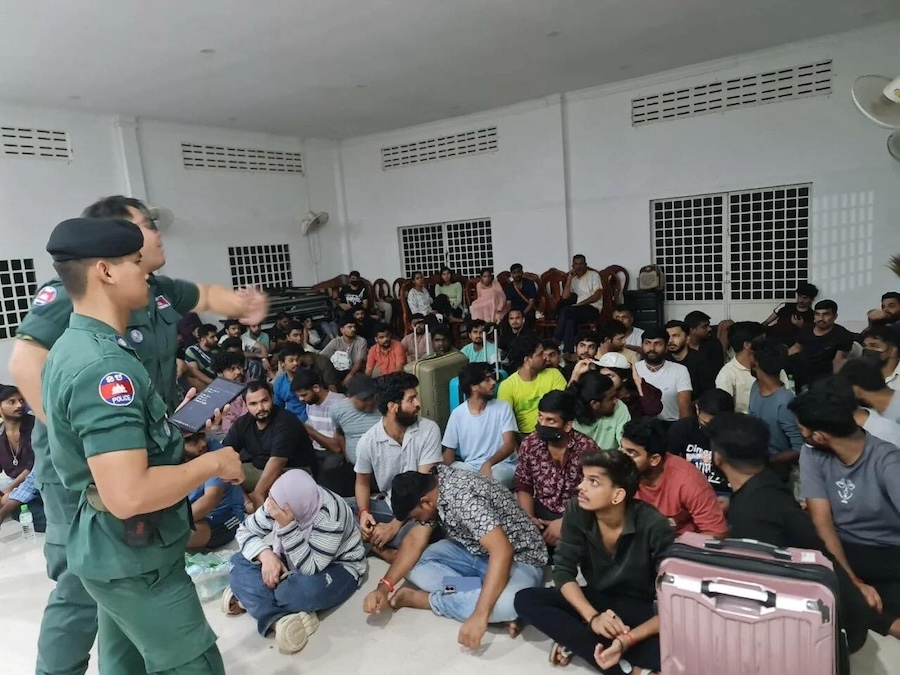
(116, 389)
(137, 337)
(45, 296)
(162, 302)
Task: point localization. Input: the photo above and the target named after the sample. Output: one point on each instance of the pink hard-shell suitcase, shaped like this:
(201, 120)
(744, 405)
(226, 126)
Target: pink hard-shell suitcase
(743, 607)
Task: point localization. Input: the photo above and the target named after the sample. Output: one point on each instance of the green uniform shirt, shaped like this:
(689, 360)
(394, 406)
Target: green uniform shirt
(99, 398)
(152, 332)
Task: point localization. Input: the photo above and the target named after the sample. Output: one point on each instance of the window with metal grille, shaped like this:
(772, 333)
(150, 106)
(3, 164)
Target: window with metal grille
(760, 242)
(465, 246)
(443, 147)
(813, 79)
(18, 284)
(195, 156)
(264, 265)
(44, 143)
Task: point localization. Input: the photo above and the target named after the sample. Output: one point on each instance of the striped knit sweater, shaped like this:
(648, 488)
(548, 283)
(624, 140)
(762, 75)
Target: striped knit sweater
(334, 539)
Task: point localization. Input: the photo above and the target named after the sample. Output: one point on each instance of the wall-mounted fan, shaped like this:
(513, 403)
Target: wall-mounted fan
(313, 220)
(162, 216)
(878, 98)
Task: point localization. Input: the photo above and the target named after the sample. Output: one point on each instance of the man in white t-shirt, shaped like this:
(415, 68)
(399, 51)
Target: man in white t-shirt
(671, 378)
(307, 386)
(584, 291)
(634, 337)
(482, 434)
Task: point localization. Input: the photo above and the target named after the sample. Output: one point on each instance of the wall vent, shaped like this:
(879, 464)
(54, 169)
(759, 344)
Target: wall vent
(21, 142)
(444, 147)
(219, 157)
(813, 79)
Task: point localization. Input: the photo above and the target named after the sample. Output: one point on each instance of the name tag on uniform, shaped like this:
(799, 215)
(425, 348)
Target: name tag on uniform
(162, 302)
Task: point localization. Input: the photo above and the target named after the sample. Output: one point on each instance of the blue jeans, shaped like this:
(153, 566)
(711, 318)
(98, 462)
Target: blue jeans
(504, 472)
(295, 593)
(446, 558)
(382, 513)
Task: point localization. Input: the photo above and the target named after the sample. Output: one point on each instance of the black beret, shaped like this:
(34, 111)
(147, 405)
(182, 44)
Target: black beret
(229, 322)
(84, 238)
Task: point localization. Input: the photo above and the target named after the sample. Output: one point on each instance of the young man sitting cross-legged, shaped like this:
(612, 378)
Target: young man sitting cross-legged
(491, 550)
(617, 542)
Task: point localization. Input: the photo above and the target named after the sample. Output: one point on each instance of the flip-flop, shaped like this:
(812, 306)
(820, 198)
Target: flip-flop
(558, 650)
(227, 599)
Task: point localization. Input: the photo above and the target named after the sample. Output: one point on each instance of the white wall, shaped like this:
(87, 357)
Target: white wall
(213, 209)
(614, 170)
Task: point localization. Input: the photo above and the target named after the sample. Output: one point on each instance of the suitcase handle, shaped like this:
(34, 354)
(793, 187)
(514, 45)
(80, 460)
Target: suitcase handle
(749, 545)
(712, 589)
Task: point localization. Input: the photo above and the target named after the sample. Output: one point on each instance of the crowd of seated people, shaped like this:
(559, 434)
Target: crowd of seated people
(770, 430)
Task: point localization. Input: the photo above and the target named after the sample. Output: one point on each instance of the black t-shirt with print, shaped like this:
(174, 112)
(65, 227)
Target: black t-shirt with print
(689, 440)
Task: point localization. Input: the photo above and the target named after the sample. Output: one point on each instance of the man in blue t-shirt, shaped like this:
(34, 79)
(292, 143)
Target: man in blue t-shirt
(217, 507)
(482, 434)
(289, 357)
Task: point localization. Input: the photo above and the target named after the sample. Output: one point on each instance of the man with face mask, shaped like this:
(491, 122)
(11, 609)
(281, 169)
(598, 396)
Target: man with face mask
(882, 346)
(549, 467)
(672, 484)
(851, 482)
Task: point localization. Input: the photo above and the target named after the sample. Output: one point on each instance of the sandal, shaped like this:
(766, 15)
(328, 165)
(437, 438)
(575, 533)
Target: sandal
(231, 606)
(558, 651)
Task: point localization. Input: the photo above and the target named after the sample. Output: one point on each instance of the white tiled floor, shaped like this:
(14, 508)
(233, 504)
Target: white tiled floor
(347, 641)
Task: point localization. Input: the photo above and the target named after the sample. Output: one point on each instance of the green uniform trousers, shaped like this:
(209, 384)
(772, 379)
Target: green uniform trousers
(154, 623)
(69, 625)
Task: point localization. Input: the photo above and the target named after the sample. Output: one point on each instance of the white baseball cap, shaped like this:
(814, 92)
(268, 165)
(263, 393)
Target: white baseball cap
(613, 360)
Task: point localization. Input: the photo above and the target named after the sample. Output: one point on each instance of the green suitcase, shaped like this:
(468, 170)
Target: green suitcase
(434, 374)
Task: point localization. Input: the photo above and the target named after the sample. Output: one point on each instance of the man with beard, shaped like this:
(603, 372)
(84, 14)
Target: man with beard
(512, 329)
(702, 372)
(387, 354)
(202, 353)
(889, 314)
(414, 343)
(17, 458)
(700, 337)
(522, 293)
(736, 376)
(400, 442)
(613, 335)
(230, 366)
(479, 351)
(524, 389)
(851, 482)
(821, 348)
(672, 379)
(786, 321)
(586, 346)
(882, 345)
(270, 440)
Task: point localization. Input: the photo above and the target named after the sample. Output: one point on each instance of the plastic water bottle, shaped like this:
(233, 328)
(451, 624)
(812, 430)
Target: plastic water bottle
(26, 520)
(791, 385)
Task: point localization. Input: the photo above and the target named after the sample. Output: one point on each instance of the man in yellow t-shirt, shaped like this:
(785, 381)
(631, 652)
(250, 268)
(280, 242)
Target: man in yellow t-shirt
(524, 389)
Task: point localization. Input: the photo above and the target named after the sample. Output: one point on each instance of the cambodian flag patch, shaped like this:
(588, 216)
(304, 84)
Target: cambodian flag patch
(117, 389)
(162, 302)
(45, 296)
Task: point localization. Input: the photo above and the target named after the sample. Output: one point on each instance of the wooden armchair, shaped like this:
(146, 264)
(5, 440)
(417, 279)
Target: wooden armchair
(505, 279)
(431, 283)
(333, 286)
(550, 288)
(615, 280)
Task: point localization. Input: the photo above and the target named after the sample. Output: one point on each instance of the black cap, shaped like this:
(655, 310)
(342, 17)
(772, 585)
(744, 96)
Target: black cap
(229, 322)
(84, 238)
(361, 387)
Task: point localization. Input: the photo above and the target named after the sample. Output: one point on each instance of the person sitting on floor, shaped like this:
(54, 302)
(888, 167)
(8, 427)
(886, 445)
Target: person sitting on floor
(763, 508)
(702, 372)
(269, 440)
(889, 314)
(851, 483)
(672, 379)
(549, 467)
(882, 345)
(512, 329)
(27, 494)
(672, 484)
(617, 542)
(869, 388)
(786, 321)
(821, 348)
(862, 374)
(365, 324)
(490, 551)
(611, 336)
(308, 387)
(289, 358)
(230, 366)
(552, 355)
(770, 401)
(253, 370)
(414, 343)
(586, 345)
(441, 342)
(316, 560)
(478, 350)
(387, 354)
(201, 354)
(400, 442)
(16, 453)
(640, 397)
(353, 416)
(602, 416)
(634, 337)
(482, 434)
(347, 352)
(524, 389)
(217, 507)
(701, 338)
(689, 438)
(736, 377)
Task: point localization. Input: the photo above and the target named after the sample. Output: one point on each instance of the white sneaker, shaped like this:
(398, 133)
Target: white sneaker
(310, 621)
(227, 599)
(290, 634)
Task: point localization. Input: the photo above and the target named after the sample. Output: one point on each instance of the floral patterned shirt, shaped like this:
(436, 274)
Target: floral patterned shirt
(552, 484)
(470, 506)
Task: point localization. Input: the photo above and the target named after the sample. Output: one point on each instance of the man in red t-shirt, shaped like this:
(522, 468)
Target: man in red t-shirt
(672, 484)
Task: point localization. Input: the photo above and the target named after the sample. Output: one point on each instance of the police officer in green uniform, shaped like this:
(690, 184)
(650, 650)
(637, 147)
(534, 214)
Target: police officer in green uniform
(111, 441)
(69, 625)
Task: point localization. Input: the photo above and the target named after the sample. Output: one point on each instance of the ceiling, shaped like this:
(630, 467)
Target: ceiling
(340, 68)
